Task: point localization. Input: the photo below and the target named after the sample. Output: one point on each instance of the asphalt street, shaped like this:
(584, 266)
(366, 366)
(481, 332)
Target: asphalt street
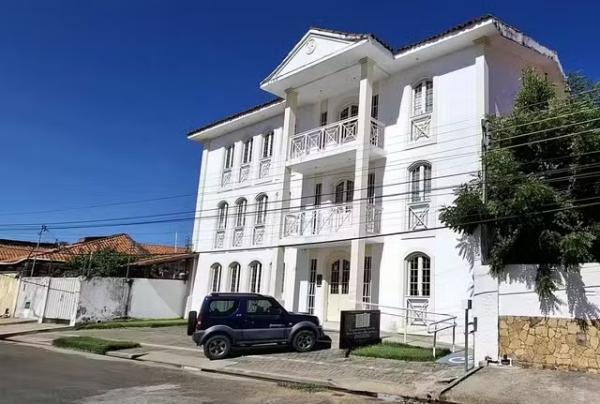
(38, 375)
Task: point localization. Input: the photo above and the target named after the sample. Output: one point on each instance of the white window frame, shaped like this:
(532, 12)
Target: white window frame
(267, 145)
(255, 269)
(420, 178)
(422, 98)
(235, 270)
(229, 157)
(215, 277)
(223, 211)
(247, 151)
(240, 212)
(423, 274)
(262, 201)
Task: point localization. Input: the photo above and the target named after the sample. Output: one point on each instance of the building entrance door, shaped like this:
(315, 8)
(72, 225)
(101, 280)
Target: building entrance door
(337, 299)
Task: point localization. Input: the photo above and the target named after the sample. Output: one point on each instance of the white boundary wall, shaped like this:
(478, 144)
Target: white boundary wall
(80, 300)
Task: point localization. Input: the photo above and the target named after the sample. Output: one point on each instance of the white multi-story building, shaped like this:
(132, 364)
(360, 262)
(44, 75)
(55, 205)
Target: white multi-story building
(329, 196)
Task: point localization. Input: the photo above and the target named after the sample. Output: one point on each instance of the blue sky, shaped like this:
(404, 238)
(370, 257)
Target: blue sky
(96, 96)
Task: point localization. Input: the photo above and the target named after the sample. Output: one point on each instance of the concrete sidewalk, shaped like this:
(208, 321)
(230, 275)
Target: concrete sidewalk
(327, 367)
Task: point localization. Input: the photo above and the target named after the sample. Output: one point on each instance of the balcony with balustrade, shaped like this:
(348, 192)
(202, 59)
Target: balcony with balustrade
(327, 223)
(336, 141)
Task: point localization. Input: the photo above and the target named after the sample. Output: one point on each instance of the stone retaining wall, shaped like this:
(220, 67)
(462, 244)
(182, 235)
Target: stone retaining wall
(554, 343)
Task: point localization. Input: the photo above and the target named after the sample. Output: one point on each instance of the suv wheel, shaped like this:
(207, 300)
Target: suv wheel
(217, 347)
(304, 340)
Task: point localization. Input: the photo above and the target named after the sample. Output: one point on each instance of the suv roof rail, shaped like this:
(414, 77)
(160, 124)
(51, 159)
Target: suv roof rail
(217, 294)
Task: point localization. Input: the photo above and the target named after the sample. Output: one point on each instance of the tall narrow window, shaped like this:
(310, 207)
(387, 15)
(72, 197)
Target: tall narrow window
(229, 152)
(318, 194)
(371, 189)
(423, 97)
(261, 209)
(247, 152)
(375, 106)
(312, 281)
(255, 276)
(334, 279)
(234, 277)
(323, 118)
(344, 191)
(420, 181)
(267, 146)
(345, 276)
(223, 208)
(215, 277)
(419, 275)
(367, 280)
(240, 212)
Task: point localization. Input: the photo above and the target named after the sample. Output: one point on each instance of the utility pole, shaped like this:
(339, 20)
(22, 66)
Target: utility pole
(176, 241)
(37, 246)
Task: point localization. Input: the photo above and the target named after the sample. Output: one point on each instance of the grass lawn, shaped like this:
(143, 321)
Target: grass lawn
(94, 345)
(135, 323)
(396, 350)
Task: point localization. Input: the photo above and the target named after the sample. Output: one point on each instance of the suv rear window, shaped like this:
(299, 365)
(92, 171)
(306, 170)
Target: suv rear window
(222, 307)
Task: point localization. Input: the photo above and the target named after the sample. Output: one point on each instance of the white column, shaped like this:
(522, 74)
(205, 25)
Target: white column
(283, 204)
(361, 174)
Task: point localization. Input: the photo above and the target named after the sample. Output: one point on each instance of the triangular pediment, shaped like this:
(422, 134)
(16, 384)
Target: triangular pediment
(315, 45)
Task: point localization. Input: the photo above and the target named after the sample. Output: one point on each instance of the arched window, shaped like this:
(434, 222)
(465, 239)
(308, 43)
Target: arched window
(423, 97)
(223, 208)
(234, 277)
(418, 268)
(420, 181)
(215, 277)
(261, 209)
(349, 111)
(344, 191)
(255, 276)
(240, 212)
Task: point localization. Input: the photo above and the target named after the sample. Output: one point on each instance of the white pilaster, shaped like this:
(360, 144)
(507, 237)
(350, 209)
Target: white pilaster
(361, 173)
(283, 204)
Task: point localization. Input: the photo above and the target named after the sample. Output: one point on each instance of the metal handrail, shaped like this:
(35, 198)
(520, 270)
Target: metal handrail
(406, 316)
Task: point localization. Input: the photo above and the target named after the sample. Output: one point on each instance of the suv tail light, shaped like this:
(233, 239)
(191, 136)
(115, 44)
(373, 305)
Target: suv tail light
(199, 322)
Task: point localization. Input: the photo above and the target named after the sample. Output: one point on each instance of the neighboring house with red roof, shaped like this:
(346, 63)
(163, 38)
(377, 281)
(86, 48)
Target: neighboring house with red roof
(147, 260)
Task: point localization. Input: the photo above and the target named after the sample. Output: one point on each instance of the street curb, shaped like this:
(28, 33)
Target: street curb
(29, 332)
(455, 383)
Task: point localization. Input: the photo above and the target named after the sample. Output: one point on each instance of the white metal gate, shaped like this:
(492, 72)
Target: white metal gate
(61, 303)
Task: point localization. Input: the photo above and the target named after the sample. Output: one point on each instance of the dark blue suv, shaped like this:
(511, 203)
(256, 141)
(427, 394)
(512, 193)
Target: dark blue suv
(244, 319)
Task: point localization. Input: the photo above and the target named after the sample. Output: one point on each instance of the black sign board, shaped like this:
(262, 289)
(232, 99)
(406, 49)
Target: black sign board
(359, 327)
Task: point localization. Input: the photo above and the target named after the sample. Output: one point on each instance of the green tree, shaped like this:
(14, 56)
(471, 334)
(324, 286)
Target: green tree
(105, 263)
(539, 202)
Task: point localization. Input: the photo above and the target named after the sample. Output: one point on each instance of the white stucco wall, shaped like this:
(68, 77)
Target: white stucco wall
(102, 299)
(157, 298)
